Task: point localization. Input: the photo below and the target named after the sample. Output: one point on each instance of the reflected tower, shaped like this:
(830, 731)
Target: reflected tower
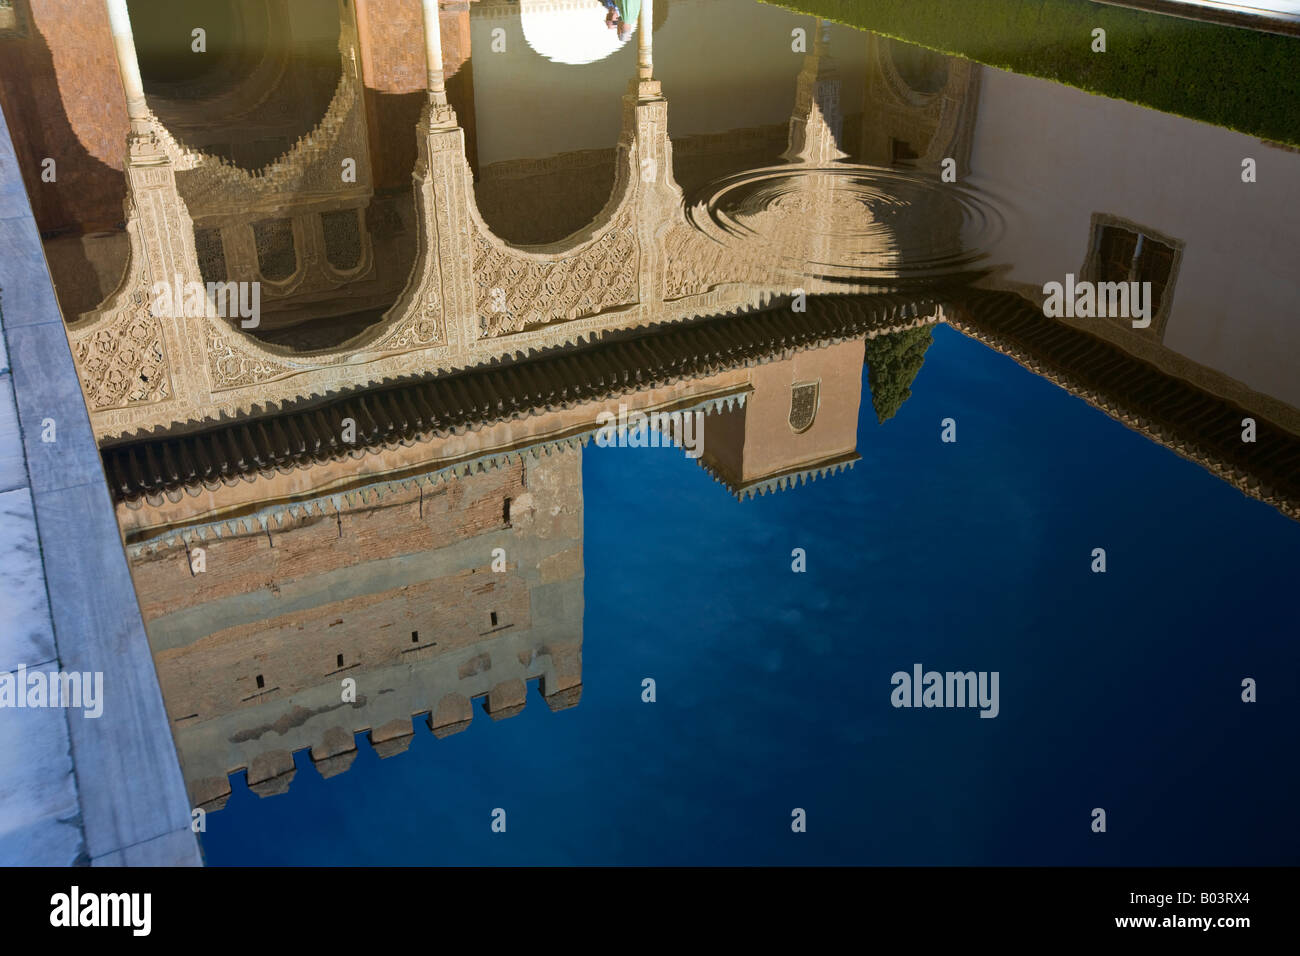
(301, 626)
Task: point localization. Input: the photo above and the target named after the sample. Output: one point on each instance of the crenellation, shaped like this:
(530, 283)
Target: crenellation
(302, 642)
(210, 793)
(453, 714)
(392, 738)
(334, 752)
(506, 699)
(271, 772)
(364, 506)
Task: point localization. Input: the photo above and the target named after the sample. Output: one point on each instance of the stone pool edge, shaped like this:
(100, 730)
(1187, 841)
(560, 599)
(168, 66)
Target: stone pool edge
(126, 803)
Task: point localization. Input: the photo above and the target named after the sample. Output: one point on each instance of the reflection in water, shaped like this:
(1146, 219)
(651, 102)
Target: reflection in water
(370, 508)
(407, 597)
(580, 32)
(853, 223)
(480, 561)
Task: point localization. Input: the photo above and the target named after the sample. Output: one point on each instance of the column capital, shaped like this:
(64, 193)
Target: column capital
(435, 116)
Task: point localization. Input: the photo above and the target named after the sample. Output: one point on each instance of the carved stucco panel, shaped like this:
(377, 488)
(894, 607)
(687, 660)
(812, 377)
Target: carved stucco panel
(124, 362)
(516, 291)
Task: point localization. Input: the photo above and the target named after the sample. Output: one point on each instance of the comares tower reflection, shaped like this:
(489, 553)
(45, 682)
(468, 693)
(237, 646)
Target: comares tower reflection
(473, 368)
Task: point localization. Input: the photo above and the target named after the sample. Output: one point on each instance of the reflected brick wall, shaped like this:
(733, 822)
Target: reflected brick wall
(395, 591)
(62, 98)
(391, 36)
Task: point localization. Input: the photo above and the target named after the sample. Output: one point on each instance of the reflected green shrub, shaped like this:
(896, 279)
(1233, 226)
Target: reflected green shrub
(892, 364)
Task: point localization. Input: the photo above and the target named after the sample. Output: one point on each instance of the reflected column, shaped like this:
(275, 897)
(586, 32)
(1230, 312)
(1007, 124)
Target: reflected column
(161, 236)
(644, 141)
(645, 42)
(128, 66)
(439, 298)
(813, 239)
(435, 83)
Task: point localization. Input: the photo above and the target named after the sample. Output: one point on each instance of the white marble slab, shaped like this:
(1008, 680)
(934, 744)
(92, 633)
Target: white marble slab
(13, 470)
(130, 804)
(39, 813)
(26, 631)
(177, 848)
(98, 628)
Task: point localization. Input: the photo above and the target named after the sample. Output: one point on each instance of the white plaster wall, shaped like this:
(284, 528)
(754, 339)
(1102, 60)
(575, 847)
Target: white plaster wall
(1060, 155)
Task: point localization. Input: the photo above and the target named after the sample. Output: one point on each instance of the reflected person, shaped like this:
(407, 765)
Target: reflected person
(622, 15)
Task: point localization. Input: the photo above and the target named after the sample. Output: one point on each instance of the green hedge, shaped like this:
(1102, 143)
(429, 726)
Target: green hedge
(892, 364)
(1231, 77)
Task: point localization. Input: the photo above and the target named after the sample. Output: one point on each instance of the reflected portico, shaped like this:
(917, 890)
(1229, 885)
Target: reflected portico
(471, 298)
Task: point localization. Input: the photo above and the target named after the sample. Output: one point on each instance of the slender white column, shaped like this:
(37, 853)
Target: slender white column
(433, 53)
(127, 64)
(645, 41)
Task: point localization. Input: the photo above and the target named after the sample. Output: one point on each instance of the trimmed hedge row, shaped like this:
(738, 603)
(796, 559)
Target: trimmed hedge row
(1231, 77)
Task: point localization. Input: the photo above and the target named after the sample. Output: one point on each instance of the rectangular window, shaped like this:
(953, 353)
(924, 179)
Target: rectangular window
(1123, 252)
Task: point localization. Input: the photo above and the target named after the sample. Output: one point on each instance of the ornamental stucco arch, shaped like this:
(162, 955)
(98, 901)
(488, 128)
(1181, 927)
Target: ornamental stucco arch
(943, 119)
(132, 359)
(470, 297)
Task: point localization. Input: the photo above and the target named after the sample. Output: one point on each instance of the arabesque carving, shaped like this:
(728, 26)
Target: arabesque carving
(516, 292)
(124, 362)
(470, 297)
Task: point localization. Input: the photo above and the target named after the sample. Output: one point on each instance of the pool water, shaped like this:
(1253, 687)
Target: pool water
(1119, 691)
